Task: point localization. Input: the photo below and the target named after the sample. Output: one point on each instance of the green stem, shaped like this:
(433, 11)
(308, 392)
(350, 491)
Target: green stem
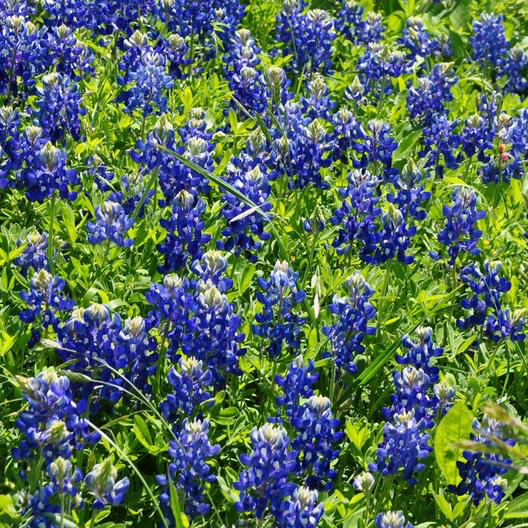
(92, 518)
(62, 510)
(125, 457)
(51, 231)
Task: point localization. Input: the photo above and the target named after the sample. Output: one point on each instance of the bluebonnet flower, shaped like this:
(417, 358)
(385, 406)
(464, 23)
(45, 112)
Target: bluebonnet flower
(308, 37)
(173, 178)
(488, 41)
(413, 410)
(355, 92)
(410, 196)
(459, 233)
(316, 441)
(477, 137)
(318, 103)
(392, 519)
(419, 41)
(116, 15)
(134, 194)
(145, 70)
(23, 54)
(185, 240)
(172, 302)
(439, 142)
(348, 133)
(512, 155)
(378, 64)
(46, 170)
(303, 509)
(277, 322)
(10, 145)
(34, 254)
(432, 92)
(52, 424)
(405, 444)
(303, 149)
(195, 19)
(189, 471)
(351, 24)
(278, 85)
(352, 325)
(485, 304)
(97, 342)
(175, 49)
(482, 472)
(357, 215)
(378, 146)
(198, 149)
(514, 68)
(67, 12)
(420, 353)
(412, 387)
(265, 480)
(59, 107)
(211, 333)
(189, 386)
(134, 353)
(65, 478)
(393, 239)
(70, 57)
(364, 482)
(212, 267)
(248, 84)
(297, 384)
(103, 485)
(243, 225)
(112, 225)
(443, 394)
(45, 298)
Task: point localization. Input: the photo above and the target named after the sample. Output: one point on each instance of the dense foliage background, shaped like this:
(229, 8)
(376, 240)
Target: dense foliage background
(262, 263)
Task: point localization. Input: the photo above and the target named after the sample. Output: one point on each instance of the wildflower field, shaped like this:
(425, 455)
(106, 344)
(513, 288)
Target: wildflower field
(263, 263)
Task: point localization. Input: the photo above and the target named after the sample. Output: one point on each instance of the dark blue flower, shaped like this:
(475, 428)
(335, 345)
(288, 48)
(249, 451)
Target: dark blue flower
(189, 472)
(185, 240)
(265, 480)
(245, 229)
(190, 388)
(34, 254)
(103, 485)
(316, 442)
(112, 225)
(353, 314)
(297, 384)
(302, 510)
(488, 41)
(486, 306)
(45, 298)
(459, 233)
(307, 37)
(59, 107)
(277, 322)
(481, 473)
(392, 519)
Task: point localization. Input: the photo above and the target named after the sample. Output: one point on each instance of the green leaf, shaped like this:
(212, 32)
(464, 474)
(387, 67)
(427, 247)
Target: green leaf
(230, 494)
(444, 506)
(518, 507)
(466, 344)
(68, 220)
(407, 145)
(454, 427)
(175, 505)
